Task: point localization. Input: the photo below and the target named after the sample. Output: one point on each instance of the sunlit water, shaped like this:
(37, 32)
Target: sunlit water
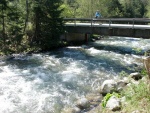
(49, 82)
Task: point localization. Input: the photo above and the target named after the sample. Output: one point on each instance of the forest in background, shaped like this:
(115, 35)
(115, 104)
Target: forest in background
(31, 25)
(108, 8)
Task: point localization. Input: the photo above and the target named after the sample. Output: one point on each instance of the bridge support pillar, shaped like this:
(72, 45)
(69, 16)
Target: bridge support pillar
(87, 37)
(75, 37)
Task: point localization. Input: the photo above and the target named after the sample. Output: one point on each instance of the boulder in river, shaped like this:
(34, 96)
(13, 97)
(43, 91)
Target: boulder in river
(83, 103)
(136, 76)
(108, 86)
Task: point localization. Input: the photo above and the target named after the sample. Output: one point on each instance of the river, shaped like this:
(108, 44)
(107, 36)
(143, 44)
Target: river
(48, 82)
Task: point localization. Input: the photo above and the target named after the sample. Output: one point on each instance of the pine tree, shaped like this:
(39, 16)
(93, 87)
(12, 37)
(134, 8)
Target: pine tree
(115, 8)
(11, 25)
(48, 23)
(135, 8)
(3, 7)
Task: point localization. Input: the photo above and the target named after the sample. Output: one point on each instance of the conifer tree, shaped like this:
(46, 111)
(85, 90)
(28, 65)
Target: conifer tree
(3, 8)
(47, 23)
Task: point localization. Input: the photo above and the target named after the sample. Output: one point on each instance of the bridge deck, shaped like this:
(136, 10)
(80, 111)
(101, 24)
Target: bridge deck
(130, 26)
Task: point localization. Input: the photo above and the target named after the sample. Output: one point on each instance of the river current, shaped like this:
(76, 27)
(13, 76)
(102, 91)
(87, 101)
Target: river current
(49, 82)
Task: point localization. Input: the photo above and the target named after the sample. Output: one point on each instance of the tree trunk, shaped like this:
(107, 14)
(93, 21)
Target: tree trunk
(3, 26)
(147, 65)
(37, 28)
(27, 15)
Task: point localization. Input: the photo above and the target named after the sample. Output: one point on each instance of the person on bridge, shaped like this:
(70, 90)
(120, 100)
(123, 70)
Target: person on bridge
(97, 14)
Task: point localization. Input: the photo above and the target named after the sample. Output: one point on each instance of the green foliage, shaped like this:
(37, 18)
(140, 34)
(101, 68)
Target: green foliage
(115, 8)
(137, 98)
(109, 8)
(144, 72)
(107, 97)
(135, 8)
(147, 53)
(48, 25)
(123, 74)
(30, 23)
(137, 50)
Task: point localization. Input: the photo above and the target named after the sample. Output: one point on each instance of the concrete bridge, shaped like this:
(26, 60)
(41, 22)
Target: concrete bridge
(129, 27)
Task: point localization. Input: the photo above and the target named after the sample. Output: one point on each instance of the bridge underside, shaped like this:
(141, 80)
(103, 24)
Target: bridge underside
(128, 32)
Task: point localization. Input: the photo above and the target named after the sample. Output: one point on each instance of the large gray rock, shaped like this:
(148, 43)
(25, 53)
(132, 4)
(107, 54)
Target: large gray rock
(83, 103)
(108, 86)
(136, 111)
(72, 110)
(120, 85)
(113, 103)
(136, 76)
(94, 99)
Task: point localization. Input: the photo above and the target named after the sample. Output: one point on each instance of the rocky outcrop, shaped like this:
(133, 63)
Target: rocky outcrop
(113, 103)
(92, 101)
(108, 86)
(136, 76)
(83, 103)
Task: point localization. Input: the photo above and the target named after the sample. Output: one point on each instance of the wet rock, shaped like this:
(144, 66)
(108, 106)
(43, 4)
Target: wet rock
(76, 110)
(94, 99)
(113, 103)
(71, 110)
(108, 86)
(136, 76)
(84, 46)
(93, 40)
(136, 111)
(121, 84)
(144, 79)
(134, 82)
(83, 103)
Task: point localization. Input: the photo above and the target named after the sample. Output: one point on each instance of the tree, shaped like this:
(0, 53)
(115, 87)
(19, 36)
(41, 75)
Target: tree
(3, 7)
(48, 25)
(135, 8)
(15, 24)
(11, 29)
(115, 8)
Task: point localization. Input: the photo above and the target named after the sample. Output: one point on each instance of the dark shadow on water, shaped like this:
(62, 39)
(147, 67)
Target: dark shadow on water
(94, 62)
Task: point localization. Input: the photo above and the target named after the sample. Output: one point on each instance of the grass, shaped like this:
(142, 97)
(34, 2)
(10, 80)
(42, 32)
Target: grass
(137, 99)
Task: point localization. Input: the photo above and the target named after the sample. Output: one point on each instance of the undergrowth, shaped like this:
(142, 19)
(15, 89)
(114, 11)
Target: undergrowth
(137, 98)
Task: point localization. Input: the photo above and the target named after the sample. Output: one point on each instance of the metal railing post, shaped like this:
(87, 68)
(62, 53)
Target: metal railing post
(133, 24)
(75, 21)
(91, 22)
(109, 22)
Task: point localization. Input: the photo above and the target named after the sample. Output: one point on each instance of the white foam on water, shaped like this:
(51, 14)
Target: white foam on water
(93, 51)
(47, 83)
(19, 95)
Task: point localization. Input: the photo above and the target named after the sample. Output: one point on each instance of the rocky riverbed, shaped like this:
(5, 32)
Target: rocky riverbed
(92, 103)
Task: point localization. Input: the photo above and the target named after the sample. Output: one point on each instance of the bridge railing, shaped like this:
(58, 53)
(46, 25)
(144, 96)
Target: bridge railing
(131, 21)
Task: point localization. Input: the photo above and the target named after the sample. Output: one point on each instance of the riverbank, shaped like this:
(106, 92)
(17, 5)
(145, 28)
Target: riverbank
(136, 98)
(123, 95)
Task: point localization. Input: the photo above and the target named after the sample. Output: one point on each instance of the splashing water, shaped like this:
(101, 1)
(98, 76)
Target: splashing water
(48, 82)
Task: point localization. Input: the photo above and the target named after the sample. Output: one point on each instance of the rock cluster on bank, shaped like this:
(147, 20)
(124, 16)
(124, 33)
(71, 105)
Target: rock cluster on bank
(89, 103)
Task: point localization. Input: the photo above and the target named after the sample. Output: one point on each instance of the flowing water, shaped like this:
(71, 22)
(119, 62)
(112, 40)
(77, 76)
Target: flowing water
(48, 82)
